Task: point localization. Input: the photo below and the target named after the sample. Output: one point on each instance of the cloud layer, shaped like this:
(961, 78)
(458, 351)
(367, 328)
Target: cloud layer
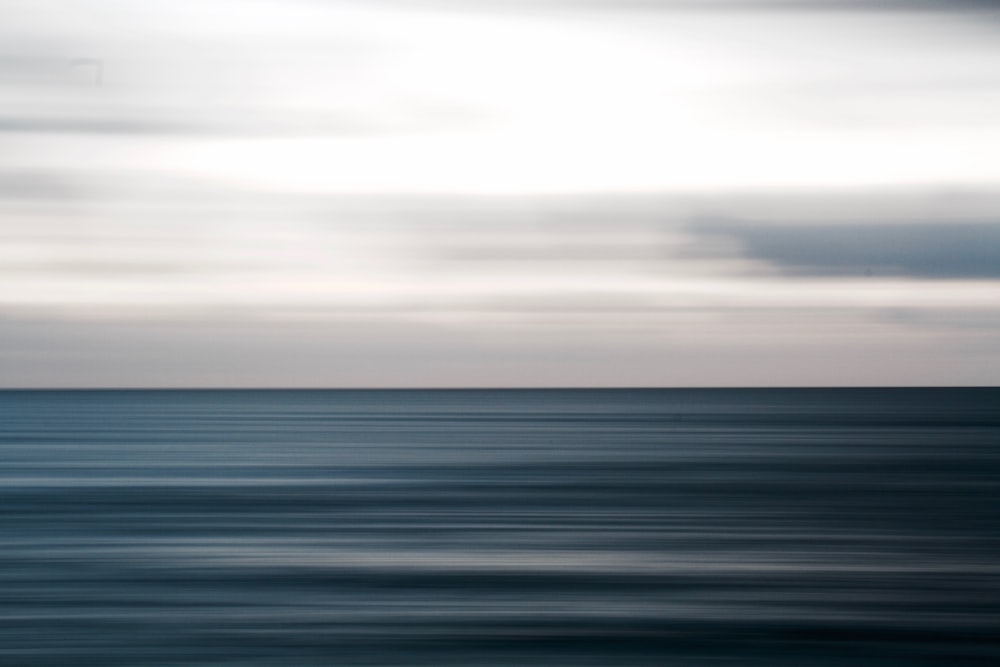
(561, 193)
(935, 251)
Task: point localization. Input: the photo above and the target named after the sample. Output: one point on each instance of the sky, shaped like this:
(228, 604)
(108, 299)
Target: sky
(435, 193)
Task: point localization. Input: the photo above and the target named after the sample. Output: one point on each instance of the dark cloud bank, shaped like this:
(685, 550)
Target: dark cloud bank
(935, 251)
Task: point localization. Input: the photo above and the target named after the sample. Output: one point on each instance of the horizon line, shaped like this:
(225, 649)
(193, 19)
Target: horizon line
(499, 388)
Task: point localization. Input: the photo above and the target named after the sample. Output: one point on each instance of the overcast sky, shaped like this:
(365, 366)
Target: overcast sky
(499, 193)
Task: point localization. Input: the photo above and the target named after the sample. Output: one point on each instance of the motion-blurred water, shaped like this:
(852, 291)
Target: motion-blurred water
(500, 527)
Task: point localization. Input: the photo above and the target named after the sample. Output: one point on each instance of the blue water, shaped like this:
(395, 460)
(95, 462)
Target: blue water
(492, 527)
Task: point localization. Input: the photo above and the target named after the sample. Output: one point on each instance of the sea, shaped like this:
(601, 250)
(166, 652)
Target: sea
(487, 528)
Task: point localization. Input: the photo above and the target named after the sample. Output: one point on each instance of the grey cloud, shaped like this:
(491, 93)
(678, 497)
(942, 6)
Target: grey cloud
(898, 5)
(875, 5)
(939, 250)
(224, 348)
(584, 229)
(104, 268)
(972, 319)
(37, 184)
(90, 126)
(876, 230)
(251, 352)
(280, 125)
(25, 68)
(503, 250)
(716, 5)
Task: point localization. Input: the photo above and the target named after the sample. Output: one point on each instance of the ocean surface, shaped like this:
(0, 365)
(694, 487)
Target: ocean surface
(797, 527)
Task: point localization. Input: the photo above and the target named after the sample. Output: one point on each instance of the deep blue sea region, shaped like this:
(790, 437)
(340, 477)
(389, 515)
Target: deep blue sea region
(673, 527)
